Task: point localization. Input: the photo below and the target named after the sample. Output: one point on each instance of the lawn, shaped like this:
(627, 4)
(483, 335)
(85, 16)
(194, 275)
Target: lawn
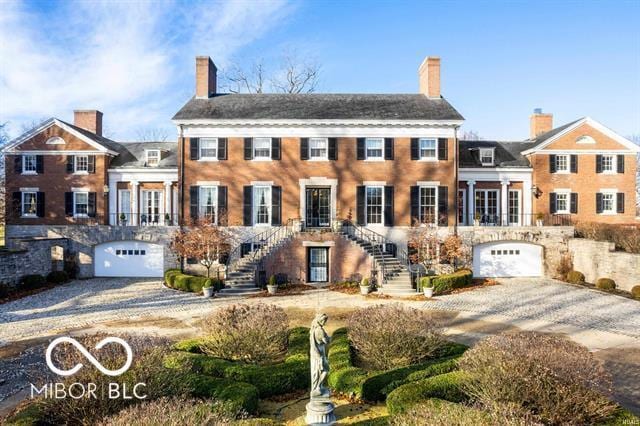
(2, 236)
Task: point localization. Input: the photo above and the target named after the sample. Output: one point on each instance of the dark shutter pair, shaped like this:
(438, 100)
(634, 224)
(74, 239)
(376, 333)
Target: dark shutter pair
(91, 204)
(388, 213)
(443, 149)
(91, 163)
(573, 203)
(276, 205)
(332, 153)
(619, 202)
(361, 148)
(194, 148)
(194, 203)
(276, 148)
(619, 163)
(443, 205)
(17, 201)
(573, 163)
(18, 164)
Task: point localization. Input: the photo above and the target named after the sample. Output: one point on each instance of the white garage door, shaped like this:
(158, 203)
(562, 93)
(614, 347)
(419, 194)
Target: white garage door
(507, 259)
(129, 259)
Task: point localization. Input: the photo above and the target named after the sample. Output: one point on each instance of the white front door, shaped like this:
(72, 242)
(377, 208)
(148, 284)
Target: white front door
(150, 213)
(507, 259)
(128, 259)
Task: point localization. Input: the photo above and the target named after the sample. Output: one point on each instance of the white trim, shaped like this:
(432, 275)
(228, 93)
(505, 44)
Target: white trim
(435, 153)
(493, 156)
(366, 205)
(254, 205)
(318, 158)
(366, 149)
(208, 183)
(29, 189)
(146, 154)
(566, 171)
(316, 122)
(22, 204)
(464, 206)
(23, 162)
(566, 192)
(508, 212)
(374, 183)
(614, 201)
(55, 140)
(74, 203)
(585, 140)
(593, 123)
(139, 170)
(80, 189)
(319, 181)
(208, 140)
(436, 192)
(261, 183)
(496, 169)
(253, 149)
(428, 183)
(318, 244)
(58, 152)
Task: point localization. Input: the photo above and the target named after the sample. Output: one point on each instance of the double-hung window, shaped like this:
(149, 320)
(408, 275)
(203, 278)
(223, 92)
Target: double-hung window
(428, 148)
(262, 205)
(29, 204)
(607, 164)
(80, 204)
(261, 148)
(208, 200)
(428, 204)
(318, 148)
(153, 157)
(375, 205)
(375, 147)
(81, 163)
(486, 156)
(562, 202)
(29, 164)
(609, 202)
(562, 164)
(208, 148)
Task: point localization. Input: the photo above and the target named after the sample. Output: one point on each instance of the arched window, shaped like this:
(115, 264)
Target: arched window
(55, 140)
(586, 140)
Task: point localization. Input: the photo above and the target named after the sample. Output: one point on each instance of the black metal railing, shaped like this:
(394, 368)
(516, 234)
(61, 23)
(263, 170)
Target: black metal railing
(143, 219)
(528, 219)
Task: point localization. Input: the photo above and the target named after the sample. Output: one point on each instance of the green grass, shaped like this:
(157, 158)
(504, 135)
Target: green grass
(1, 235)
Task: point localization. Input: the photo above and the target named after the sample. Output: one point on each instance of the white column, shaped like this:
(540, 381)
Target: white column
(470, 205)
(504, 203)
(135, 207)
(113, 202)
(167, 201)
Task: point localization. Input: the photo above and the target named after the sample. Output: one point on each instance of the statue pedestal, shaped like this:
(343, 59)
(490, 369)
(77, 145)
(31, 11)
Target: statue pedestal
(320, 412)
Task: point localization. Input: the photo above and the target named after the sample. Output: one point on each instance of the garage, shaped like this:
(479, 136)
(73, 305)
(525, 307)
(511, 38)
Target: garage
(128, 259)
(507, 259)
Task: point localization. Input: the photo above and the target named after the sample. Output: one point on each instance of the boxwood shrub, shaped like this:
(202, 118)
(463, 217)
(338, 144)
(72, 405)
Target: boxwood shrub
(170, 275)
(242, 395)
(446, 386)
(57, 277)
(344, 377)
(605, 284)
(635, 292)
(33, 281)
(448, 282)
(575, 277)
(175, 279)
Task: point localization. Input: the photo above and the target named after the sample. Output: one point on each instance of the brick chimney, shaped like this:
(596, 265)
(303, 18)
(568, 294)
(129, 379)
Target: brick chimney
(539, 123)
(206, 77)
(429, 74)
(88, 119)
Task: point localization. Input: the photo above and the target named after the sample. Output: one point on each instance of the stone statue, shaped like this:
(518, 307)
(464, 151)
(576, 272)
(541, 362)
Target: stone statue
(320, 408)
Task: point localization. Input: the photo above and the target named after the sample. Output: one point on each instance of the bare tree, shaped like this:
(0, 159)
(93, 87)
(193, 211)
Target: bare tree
(292, 75)
(152, 135)
(203, 241)
(636, 139)
(4, 138)
(469, 135)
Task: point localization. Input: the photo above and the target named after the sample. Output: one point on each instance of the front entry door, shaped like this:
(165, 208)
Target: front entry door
(318, 264)
(318, 207)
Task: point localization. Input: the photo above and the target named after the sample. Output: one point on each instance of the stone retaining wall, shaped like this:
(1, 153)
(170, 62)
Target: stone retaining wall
(29, 256)
(598, 259)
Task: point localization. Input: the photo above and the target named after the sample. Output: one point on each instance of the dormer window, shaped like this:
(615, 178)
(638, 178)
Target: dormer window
(153, 157)
(486, 156)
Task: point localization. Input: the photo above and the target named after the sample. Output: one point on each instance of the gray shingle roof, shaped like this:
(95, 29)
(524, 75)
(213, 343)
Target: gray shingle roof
(507, 154)
(106, 142)
(318, 106)
(551, 133)
(132, 155)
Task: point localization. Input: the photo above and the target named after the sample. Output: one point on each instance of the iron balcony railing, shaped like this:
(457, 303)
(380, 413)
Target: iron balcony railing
(528, 219)
(143, 219)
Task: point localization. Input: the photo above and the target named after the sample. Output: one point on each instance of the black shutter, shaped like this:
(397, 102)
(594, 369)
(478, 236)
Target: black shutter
(223, 145)
(39, 164)
(70, 161)
(388, 206)
(91, 163)
(443, 149)
(360, 205)
(620, 163)
(574, 202)
(247, 205)
(333, 148)
(304, 148)
(194, 194)
(574, 163)
(361, 148)
(552, 163)
(620, 202)
(194, 148)
(17, 164)
(68, 203)
(223, 212)
(388, 148)
(40, 204)
(275, 149)
(415, 148)
(443, 206)
(17, 203)
(598, 163)
(552, 202)
(92, 205)
(248, 148)
(276, 205)
(415, 205)
(599, 206)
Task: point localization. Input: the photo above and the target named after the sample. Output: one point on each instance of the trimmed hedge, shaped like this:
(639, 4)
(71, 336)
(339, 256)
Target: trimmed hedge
(242, 395)
(33, 281)
(635, 291)
(605, 284)
(575, 277)
(175, 279)
(343, 376)
(188, 345)
(448, 282)
(57, 277)
(446, 386)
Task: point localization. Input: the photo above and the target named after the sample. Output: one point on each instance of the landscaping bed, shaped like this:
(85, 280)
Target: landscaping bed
(32, 284)
(286, 290)
(177, 280)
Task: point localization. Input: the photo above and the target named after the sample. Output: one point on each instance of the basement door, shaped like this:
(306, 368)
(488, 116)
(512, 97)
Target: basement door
(318, 268)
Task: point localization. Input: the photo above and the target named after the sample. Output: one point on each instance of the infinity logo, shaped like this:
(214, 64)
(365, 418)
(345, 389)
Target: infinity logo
(89, 357)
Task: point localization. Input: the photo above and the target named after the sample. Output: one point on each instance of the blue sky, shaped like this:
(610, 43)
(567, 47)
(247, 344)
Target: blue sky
(135, 60)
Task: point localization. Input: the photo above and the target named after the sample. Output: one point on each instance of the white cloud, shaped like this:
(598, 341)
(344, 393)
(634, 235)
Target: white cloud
(132, 60)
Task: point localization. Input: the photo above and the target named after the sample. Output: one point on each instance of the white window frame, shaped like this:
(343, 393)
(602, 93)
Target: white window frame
(614, 202)
(508, 215)
(366, 204)
(202, 207)
(121, 197)
(254, 204)
(201, 147)
(567, 196)
(261, 157)
(614, 164)
(485, 207)
(567, 164)
(326, 149)
(75, 204)
(491, 153)
(435, 149)
(420, 206)
(29, 215)
(76, 162)
(366, 149)
(462, 191)
(152, 153)
(35, 164)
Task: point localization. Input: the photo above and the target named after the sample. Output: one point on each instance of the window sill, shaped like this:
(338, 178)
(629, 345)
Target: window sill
(374, 160)
(428, 160)
(29, 216)
(207, 159)
(562, 212)
(80, 216)
(318, 159)
(261, 159)
(609, 172)
(29, 173)
(81, 173)
(608, 213)
(561, 172)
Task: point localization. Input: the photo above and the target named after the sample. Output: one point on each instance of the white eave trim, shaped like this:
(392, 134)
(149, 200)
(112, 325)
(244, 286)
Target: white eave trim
(10, 148)
(495, 169)
(143, 170)
(596, 125)
(316, 123)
